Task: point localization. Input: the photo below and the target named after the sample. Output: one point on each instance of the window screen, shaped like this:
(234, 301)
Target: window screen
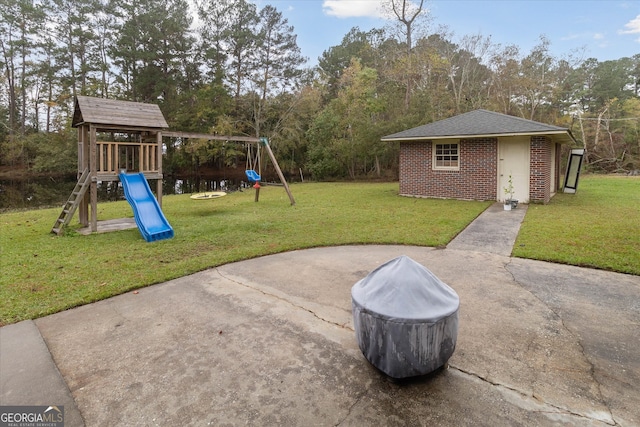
(446, 156)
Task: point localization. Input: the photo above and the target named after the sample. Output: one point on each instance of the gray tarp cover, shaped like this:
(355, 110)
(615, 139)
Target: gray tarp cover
(406, 319)
(404, 289)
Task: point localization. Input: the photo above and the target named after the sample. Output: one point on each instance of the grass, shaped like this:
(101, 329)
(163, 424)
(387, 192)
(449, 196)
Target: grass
(597, 227)
(44, 274)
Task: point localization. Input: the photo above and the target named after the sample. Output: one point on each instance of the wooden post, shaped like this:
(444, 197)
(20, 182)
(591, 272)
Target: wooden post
(265, 143)
(83, 157)
(159, 169)
(141, 153)
(94, 179)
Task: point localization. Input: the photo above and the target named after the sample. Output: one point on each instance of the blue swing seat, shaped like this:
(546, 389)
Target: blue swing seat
(252, 175)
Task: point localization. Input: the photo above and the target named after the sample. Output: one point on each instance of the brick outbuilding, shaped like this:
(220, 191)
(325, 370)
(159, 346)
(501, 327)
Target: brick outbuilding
(473, 155)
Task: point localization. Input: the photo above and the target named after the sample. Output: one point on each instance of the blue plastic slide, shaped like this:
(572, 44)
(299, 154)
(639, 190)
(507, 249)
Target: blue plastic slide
(146, 210)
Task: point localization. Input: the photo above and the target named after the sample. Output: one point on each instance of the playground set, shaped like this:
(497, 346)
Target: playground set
(122, 141)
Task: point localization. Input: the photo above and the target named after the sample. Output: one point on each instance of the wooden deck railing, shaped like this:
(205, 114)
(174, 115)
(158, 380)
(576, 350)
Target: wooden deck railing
(115, 156)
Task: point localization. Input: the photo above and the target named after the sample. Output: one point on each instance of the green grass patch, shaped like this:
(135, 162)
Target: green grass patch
(598, 227)
(43, 273)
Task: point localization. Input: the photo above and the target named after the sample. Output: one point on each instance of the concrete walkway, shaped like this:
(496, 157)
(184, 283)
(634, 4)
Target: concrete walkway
(494, 231)
(270, 341)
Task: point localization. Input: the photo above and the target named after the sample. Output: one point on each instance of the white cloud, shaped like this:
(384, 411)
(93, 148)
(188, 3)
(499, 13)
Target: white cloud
(573, 36)
(585, 36)
(632, 27)
(353, 8)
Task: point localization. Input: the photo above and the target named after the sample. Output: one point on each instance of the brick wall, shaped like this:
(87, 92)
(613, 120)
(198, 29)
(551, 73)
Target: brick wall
(540, 174)
(556, 185)
(476, 179)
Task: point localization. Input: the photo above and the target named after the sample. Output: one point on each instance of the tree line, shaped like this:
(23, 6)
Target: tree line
(229, 67)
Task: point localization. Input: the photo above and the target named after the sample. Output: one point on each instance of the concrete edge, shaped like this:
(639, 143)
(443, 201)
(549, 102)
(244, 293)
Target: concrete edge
(29, 375)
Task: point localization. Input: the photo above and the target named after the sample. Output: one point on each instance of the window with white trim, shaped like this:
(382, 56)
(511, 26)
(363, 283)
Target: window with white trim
(446, 156)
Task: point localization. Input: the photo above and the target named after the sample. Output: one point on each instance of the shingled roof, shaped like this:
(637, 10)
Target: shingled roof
(100, 111)
(482, 123)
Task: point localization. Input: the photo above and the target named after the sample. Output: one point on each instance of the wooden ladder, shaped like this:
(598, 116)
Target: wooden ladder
(72, 204)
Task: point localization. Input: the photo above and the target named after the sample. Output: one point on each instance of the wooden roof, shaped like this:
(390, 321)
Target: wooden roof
(482, 123)
(122, 114)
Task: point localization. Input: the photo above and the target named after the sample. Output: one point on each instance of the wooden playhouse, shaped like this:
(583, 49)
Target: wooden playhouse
(113, 137)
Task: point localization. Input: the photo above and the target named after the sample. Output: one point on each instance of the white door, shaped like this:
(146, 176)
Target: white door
(513, 162)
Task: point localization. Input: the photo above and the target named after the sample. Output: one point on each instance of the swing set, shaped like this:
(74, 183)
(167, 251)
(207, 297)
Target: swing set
(252, 164)
(253, 159)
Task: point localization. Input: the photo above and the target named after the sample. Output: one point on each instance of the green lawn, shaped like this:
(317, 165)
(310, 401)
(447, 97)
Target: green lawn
(43, 273)
(598, 227)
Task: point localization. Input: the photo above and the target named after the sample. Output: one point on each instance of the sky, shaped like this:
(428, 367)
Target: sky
(605, 30)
